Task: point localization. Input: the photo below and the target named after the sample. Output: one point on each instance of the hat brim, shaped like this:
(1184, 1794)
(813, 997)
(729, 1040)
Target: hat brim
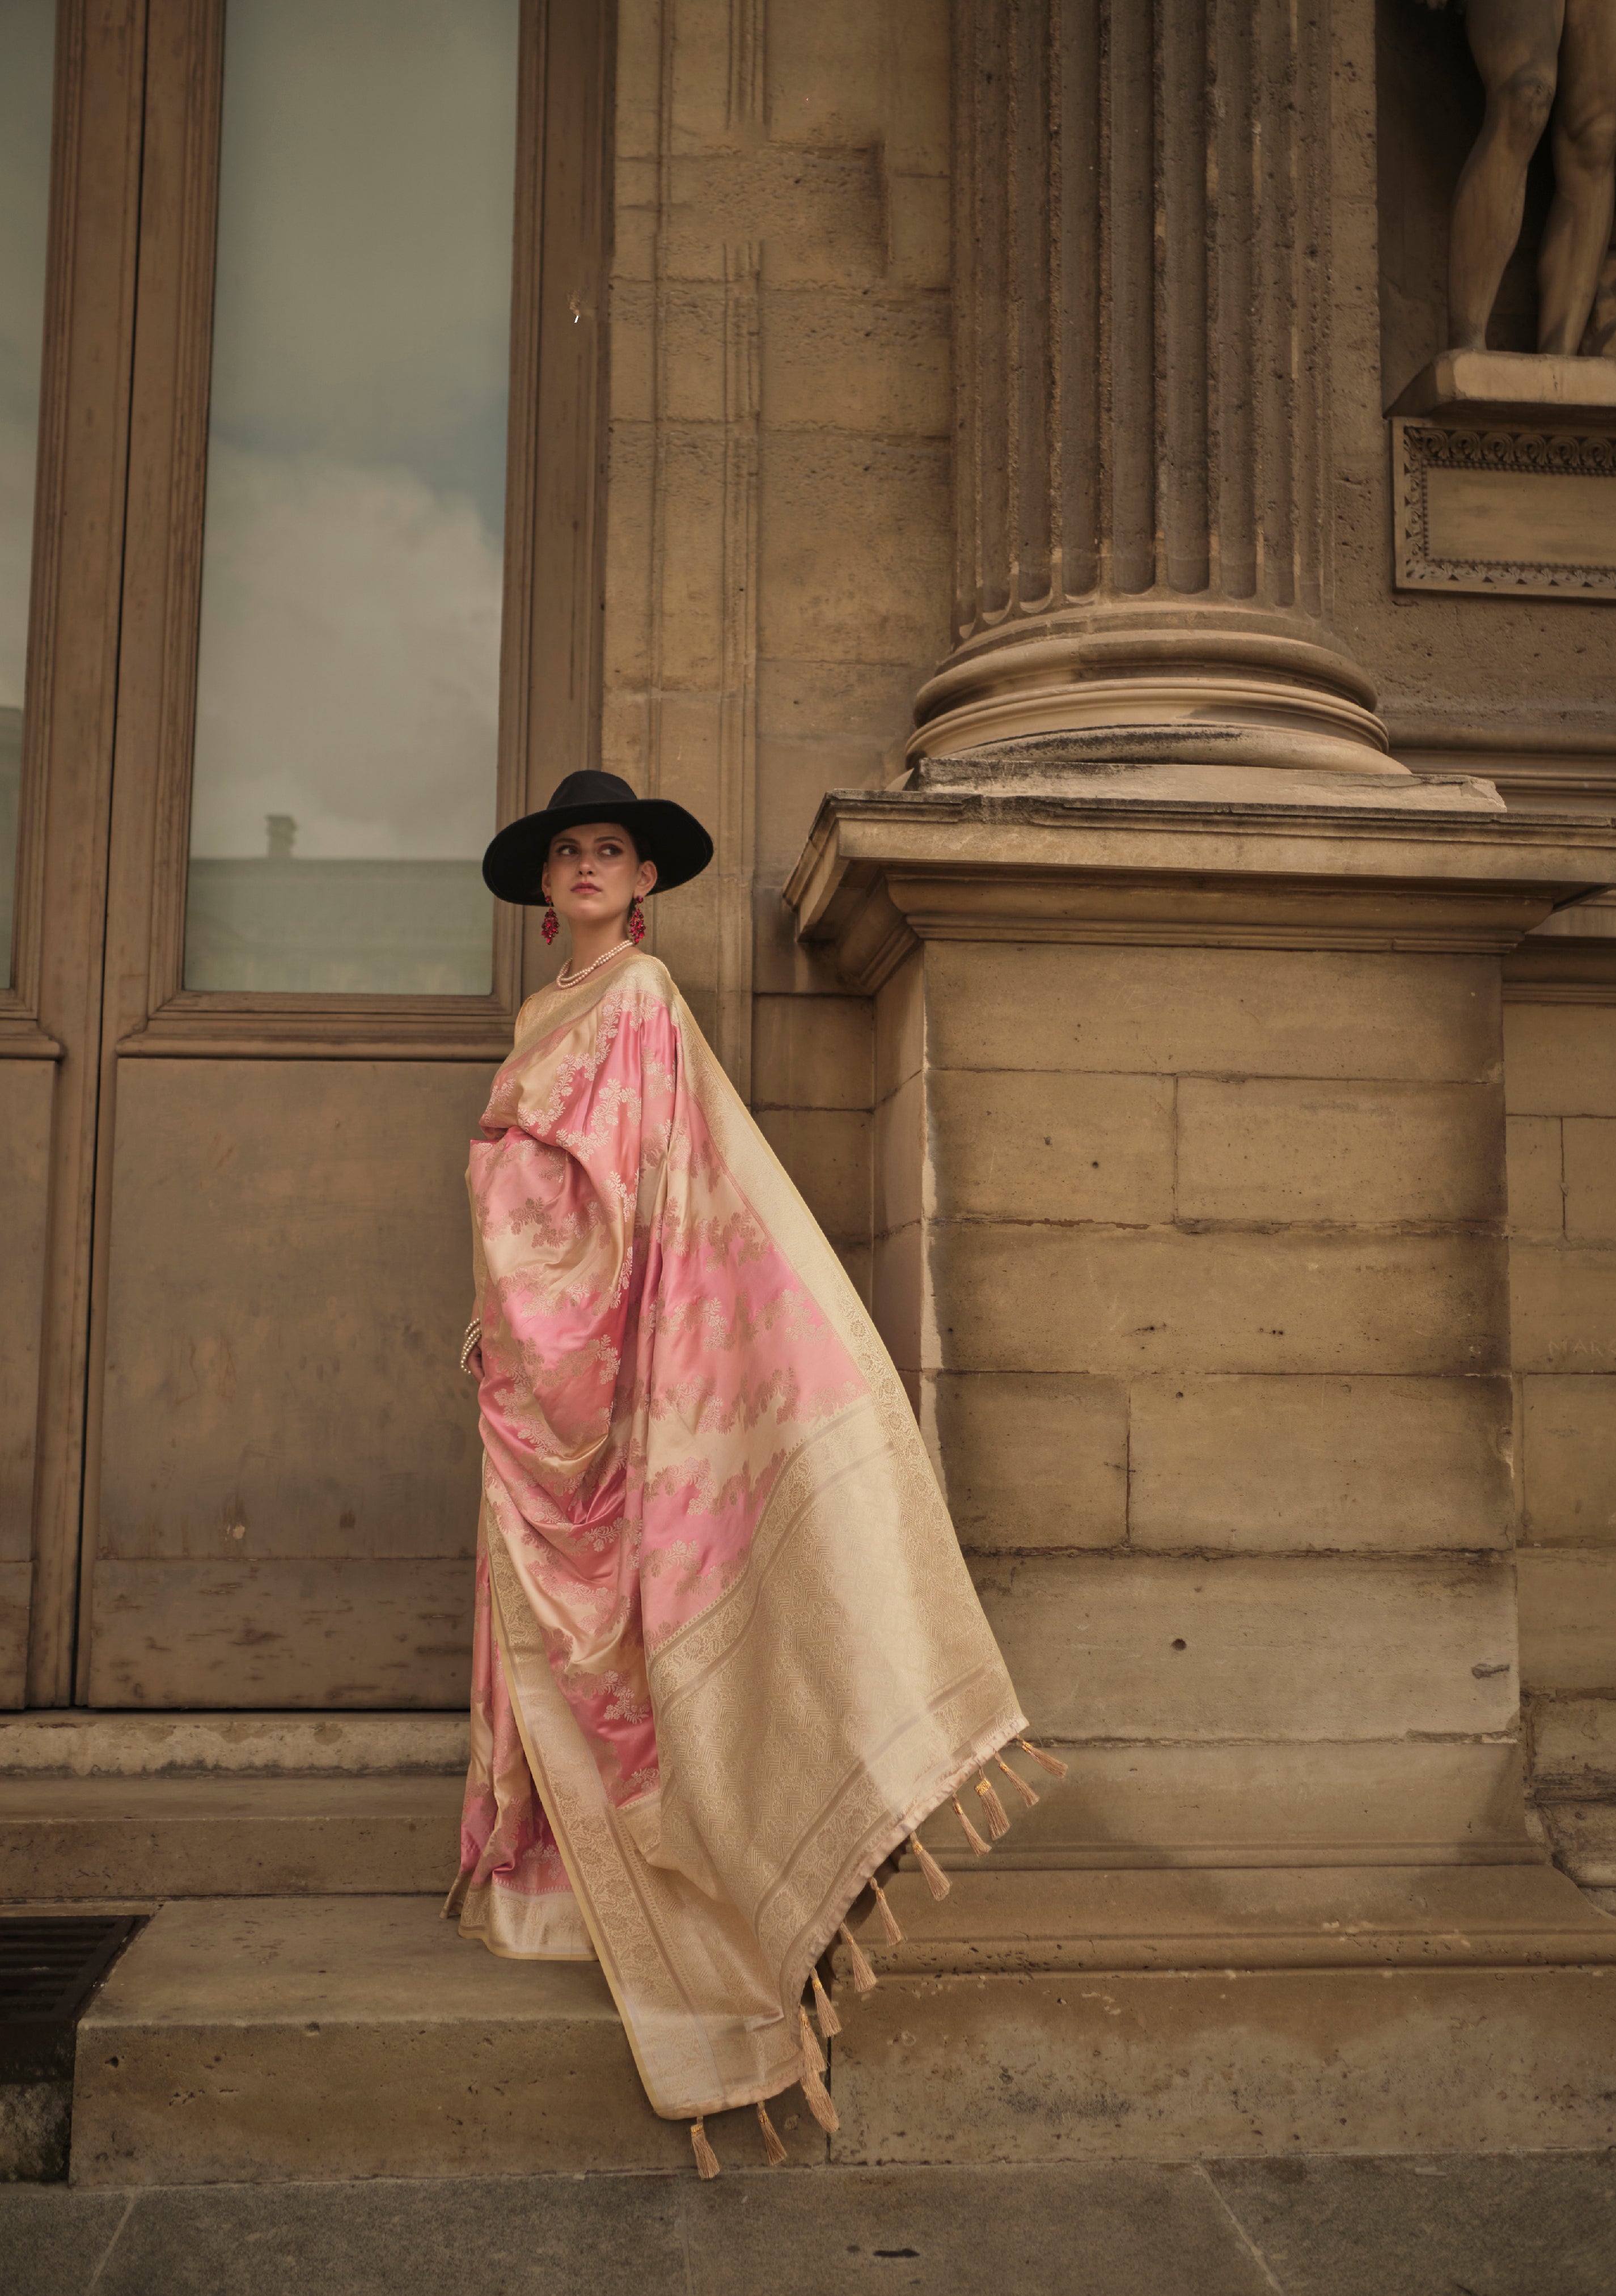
(673, 839)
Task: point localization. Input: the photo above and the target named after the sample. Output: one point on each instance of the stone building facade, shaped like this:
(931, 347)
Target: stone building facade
(997, 464)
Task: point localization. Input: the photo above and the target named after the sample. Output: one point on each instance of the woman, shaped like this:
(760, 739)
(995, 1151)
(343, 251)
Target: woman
(727, 1656)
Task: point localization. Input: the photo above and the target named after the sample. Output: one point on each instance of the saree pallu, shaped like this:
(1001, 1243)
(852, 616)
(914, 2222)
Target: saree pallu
(728, 1655)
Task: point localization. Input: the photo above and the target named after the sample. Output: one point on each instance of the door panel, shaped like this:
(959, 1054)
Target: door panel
(281, 1635)
(25, 1147)
(242, 1270)
(53, 1008)
(290, 1447)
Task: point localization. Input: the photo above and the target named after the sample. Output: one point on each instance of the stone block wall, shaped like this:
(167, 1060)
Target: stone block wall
(779, 511)
(1560, 1081)
(1194, 1261)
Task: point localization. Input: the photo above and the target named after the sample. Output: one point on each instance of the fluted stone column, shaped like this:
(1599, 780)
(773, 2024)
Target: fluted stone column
(1142, 343)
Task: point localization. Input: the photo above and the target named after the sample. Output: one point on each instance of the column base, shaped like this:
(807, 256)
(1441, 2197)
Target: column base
(1208, 765)
(1160, 684)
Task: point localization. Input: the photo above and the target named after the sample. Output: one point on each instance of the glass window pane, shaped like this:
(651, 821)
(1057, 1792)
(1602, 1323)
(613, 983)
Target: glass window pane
(28, 38)
(347, 682)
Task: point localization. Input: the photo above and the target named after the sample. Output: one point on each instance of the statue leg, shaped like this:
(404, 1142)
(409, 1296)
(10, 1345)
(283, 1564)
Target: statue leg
(1516, 46)
(1579, 228)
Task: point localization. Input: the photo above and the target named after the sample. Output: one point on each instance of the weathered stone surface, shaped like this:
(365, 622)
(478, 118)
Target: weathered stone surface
(1574, 1745)
(826, 1151)
(1541, 2222)
(1241, 1462)
(79, 1743)
(811, 1052)
(1307, 2226)
(1536, 1186)
(387, 2238)
(1558, 1061)
(57, 2242)
(1590, 1179)
(1568, 1459)
(1001, 1920)
(1273, 1803)
(1040, 1298)
(896, 1296)
(852, 549)
(970, 2231)
(1033, 1459)
(1284, 1149)
(36, 2122)
(1317, 1648)
(1212, 1011)
(859, 360)
(1073, 2066)
(1584, 1837)
(1032, 1147)
(1563, 1305)
(901, 1026)
(902, 1182)
(226, 1837)
(1568, 1619)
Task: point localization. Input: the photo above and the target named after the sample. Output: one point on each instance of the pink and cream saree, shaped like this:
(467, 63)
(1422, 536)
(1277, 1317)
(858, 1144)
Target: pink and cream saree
(728, 1654)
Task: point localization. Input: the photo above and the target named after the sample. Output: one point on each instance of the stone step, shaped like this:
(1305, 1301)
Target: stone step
(226, 1835)
(1002, 1919)
(252, 2040)
(1168, 2017)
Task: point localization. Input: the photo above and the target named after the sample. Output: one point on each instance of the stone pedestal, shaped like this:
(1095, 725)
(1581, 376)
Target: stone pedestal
(1505, 476)
(1189, 1239)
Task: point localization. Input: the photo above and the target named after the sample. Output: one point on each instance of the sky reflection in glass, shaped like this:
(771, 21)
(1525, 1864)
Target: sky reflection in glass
(347, 683)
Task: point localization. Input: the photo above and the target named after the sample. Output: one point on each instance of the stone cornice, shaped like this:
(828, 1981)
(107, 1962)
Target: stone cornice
(882, 870)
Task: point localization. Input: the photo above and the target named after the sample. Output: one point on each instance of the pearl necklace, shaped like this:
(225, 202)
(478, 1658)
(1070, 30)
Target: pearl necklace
(563, 980)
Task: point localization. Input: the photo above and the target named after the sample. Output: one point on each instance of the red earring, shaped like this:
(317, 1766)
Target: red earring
(636, 921)
(552, 924)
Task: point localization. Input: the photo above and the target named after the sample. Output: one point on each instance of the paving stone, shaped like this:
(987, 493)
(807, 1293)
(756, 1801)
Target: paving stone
(1515, 2225)
(52, 2242)
(502, 2236)
(1109, 2228)
(1499, 2225)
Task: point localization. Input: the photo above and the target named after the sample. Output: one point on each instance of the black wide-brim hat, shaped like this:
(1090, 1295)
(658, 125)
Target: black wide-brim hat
(663, 831)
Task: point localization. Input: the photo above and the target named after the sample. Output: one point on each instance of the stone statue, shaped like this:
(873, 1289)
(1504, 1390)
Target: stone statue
(1528, 52)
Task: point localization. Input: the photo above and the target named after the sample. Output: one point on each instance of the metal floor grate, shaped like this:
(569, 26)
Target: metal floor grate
(50, 1964)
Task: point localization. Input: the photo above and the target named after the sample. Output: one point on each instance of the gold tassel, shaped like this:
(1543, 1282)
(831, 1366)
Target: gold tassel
(707, 2160)
(936, 1880)
(998, 1825)
(888, 1919)
(829, 2022)
(1050, 1762)
(813, 2056)
(774, 2151)
(1028, 1794)
(819, 2101)
(978, 1848)
(864, 1976)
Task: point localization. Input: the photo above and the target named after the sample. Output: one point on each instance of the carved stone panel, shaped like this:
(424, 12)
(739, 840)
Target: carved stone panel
(1525, 513)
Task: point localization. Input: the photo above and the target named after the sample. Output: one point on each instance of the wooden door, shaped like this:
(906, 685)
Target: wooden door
(254, 1478)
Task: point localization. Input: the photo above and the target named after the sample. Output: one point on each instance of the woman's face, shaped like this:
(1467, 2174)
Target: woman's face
(594, 873)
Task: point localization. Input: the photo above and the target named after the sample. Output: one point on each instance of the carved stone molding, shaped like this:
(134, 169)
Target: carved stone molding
(883, 869)
(1527, 513)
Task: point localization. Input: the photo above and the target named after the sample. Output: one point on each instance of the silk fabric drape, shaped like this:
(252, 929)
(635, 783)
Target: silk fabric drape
(724, 1619)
